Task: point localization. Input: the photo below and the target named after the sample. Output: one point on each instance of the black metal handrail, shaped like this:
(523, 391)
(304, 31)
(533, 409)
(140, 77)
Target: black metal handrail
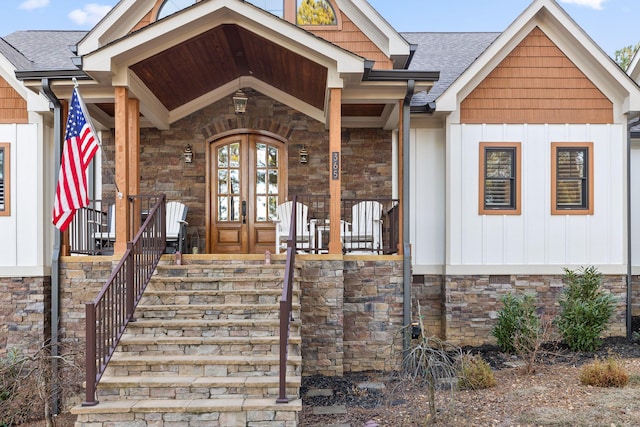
(286, 302)
(108, 315)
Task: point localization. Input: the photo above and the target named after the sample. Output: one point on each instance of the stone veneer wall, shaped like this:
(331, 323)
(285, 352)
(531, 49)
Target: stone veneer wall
(322, 301)
(472, 303)
(366, 155)
(25, 305)
(352, 310)
(635, 296)
(81, 279)
(427, 290)
(373, 313)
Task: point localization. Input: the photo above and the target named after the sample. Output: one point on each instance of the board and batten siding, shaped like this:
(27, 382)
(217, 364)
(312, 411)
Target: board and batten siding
(635, 206)
(427, 199)
(537, 239)
(21, 247)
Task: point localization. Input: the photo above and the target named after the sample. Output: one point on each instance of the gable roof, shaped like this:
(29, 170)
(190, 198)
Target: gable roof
(569, 37)
(449, 53)
(44, 50)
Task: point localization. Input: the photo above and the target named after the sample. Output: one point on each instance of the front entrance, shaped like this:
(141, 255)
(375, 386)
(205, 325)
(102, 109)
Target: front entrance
(247, 182)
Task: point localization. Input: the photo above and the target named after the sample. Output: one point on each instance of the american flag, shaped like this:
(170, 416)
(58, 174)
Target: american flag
(80, 145)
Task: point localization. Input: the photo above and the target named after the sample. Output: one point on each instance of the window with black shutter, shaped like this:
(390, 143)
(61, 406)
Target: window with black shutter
(499, 178)
(572, 171)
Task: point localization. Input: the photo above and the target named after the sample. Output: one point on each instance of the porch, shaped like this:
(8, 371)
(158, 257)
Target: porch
(366, 226)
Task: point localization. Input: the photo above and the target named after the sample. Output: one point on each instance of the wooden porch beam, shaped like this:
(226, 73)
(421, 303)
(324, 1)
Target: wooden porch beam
(335, 163)
(133, 132)
(121, 169)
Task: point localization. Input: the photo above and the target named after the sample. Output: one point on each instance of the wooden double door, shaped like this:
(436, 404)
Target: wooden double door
(247, 180)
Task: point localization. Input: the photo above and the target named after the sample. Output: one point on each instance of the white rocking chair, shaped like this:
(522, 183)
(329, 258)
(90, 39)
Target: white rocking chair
(365, 231)
(176, 226)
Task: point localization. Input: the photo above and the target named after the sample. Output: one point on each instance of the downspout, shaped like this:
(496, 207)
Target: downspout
(629, 239)
(406, 245)
(55, 259)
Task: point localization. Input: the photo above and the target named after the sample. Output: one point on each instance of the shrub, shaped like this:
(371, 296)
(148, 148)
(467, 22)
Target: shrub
(475, 373)
(518, 324)
(585, 309)
(604, 374)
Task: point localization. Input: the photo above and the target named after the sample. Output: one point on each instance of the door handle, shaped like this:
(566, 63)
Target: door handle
(244, 211)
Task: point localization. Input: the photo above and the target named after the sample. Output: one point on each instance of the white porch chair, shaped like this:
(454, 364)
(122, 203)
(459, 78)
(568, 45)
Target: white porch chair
(305, 230)
(176, 225)
(365, 231)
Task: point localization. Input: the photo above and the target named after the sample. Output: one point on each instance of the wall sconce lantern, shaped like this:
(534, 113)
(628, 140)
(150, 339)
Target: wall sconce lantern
(240, 102)
(188, 154)
(304, 155)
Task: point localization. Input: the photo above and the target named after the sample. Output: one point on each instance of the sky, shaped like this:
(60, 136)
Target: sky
(609, 23)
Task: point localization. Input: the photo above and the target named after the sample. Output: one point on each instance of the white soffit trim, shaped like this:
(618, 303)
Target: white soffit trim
(634, 67)
(245, 81)
(374, 26)
(7, 72)
(568, 36)
(207, 15)
(116, 24)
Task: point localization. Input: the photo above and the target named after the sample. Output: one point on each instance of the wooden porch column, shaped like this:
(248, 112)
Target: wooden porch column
(335, 174)
(133, 132)
(401, 180)
(121, 169)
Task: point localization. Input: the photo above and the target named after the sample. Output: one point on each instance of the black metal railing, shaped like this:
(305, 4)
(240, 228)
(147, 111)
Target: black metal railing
(89, 232)
(286, 302)
(108, 315)
(366, 225)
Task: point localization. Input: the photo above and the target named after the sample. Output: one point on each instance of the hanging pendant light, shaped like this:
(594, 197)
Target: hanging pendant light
(240, 102)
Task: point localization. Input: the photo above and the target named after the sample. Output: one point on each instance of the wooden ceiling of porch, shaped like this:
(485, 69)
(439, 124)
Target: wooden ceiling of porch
(205, 62)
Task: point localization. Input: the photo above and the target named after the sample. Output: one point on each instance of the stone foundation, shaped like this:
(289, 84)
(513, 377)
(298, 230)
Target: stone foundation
(25, 304)
(465, 308)
(351, 313)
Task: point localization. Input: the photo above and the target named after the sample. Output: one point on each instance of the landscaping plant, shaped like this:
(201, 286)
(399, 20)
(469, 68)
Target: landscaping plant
(585, 309)
(607, 373)
(475, 373)
(518, 325)
(428, 363)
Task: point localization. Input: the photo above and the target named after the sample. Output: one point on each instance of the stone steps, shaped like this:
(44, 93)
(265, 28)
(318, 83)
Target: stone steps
(211, 311)
(207, 365)
(262, 296)
(151, 345)
(203, 351)
(209, 327)
(227, 412)
(185, 387)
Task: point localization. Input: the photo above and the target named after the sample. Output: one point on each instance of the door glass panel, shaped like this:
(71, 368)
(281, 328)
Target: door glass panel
(234, 155)
(235, 208)
(223, 182)
(235, 181)
(228, 165)
(261, 184)
(261, 155)
(273, 157)
(267, 182)
(223, 209)
(273, 206)
(261, 208)
(273, 181)
(223, 156)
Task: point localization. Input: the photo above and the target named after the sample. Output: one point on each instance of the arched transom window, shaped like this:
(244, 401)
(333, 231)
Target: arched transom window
(172, 6)
(307, 12)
